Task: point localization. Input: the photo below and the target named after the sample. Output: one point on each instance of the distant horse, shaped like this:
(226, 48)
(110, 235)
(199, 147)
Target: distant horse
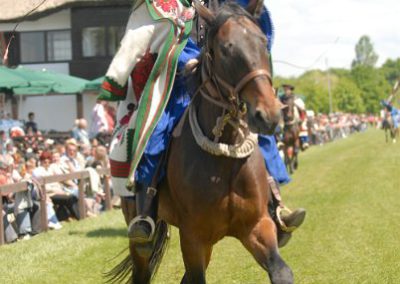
(216, 183)
(388, 127)
(291, 131)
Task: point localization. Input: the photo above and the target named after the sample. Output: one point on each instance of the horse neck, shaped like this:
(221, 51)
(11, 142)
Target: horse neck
(208, 114)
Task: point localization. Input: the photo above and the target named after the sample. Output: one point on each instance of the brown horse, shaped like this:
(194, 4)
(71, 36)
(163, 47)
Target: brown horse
(216, 184)
(291, 132)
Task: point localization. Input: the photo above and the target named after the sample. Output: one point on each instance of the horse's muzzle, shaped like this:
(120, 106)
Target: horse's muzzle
(261, 123)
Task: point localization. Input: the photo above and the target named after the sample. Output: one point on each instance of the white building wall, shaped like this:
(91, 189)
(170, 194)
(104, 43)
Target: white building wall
(56, 112)
(51, 112)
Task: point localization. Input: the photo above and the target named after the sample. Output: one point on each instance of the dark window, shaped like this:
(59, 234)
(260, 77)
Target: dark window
(32, 47)
(59, 46)
(93, 42)
(46, 46)
(101, 41)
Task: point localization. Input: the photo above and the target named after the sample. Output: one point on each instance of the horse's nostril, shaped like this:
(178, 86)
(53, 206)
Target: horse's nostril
(259, 115)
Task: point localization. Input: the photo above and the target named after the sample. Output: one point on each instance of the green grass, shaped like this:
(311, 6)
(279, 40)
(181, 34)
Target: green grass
(350, 188)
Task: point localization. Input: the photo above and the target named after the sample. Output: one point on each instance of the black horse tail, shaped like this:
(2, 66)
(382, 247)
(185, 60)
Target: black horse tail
(124, 271)
(160, 247)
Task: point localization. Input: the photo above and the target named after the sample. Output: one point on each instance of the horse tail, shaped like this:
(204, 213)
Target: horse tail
(121, 271)
(124, 270)
(160, 246)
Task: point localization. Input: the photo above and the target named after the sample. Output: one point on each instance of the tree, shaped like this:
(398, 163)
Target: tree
(347, 97)
(365, 54)
(391, 70)
(373, 85)
(313, 85)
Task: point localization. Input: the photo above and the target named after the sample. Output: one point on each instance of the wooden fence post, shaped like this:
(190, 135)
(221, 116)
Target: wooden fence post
(1, 222)
(81, 201)
(107, 192)
(43, 207)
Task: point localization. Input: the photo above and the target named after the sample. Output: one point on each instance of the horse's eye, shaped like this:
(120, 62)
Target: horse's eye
(224, 50)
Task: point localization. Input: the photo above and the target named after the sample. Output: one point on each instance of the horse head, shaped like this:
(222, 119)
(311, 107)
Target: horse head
(238, 63)
(288, 111)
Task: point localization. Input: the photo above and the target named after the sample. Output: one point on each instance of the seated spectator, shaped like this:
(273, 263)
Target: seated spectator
(100, 160)
(10, 235)
(3, 140)
(52, 189)
(72, 161)
(19, 203)
(66, 204)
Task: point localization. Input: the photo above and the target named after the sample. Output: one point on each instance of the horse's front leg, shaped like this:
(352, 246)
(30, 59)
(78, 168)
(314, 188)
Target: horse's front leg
(262, 244)
(196, 256)
(128, 208)
(140, 271)
(287, 159)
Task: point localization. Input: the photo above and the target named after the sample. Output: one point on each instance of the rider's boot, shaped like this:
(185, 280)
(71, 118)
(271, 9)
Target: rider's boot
(285, 219)
(141, 229)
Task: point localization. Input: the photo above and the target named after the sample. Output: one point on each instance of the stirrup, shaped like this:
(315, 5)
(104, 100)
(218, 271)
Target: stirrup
(283, 227)
(136, 221)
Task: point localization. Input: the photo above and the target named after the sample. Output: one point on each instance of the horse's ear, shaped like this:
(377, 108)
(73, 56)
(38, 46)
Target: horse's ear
(255, 7)
(204, 12)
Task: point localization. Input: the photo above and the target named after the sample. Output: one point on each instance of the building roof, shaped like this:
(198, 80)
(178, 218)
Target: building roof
(16, 10)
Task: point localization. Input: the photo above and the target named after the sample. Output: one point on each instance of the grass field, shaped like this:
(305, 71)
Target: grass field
(350, 188)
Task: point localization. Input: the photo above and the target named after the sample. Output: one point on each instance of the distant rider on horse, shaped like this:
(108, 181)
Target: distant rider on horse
(300, 115)
(394, 112)
(147, 77)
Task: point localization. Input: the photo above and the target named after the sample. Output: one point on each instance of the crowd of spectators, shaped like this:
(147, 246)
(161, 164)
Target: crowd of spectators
(28, 155)
(324, 128)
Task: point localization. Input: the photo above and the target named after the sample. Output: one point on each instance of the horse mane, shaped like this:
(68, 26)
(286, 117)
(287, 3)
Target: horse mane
(225, 12)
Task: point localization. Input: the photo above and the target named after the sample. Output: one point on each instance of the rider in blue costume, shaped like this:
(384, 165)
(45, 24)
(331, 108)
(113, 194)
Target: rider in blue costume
(394, 112)
(159, 141)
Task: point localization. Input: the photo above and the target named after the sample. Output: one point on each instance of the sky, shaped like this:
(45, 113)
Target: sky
(318, 33)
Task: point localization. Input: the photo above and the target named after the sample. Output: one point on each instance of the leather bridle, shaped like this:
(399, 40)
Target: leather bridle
(212, 83)
(221, 93)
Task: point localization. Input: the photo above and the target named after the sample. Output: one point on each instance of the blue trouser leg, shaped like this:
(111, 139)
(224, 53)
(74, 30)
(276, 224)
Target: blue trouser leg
(273, 161)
